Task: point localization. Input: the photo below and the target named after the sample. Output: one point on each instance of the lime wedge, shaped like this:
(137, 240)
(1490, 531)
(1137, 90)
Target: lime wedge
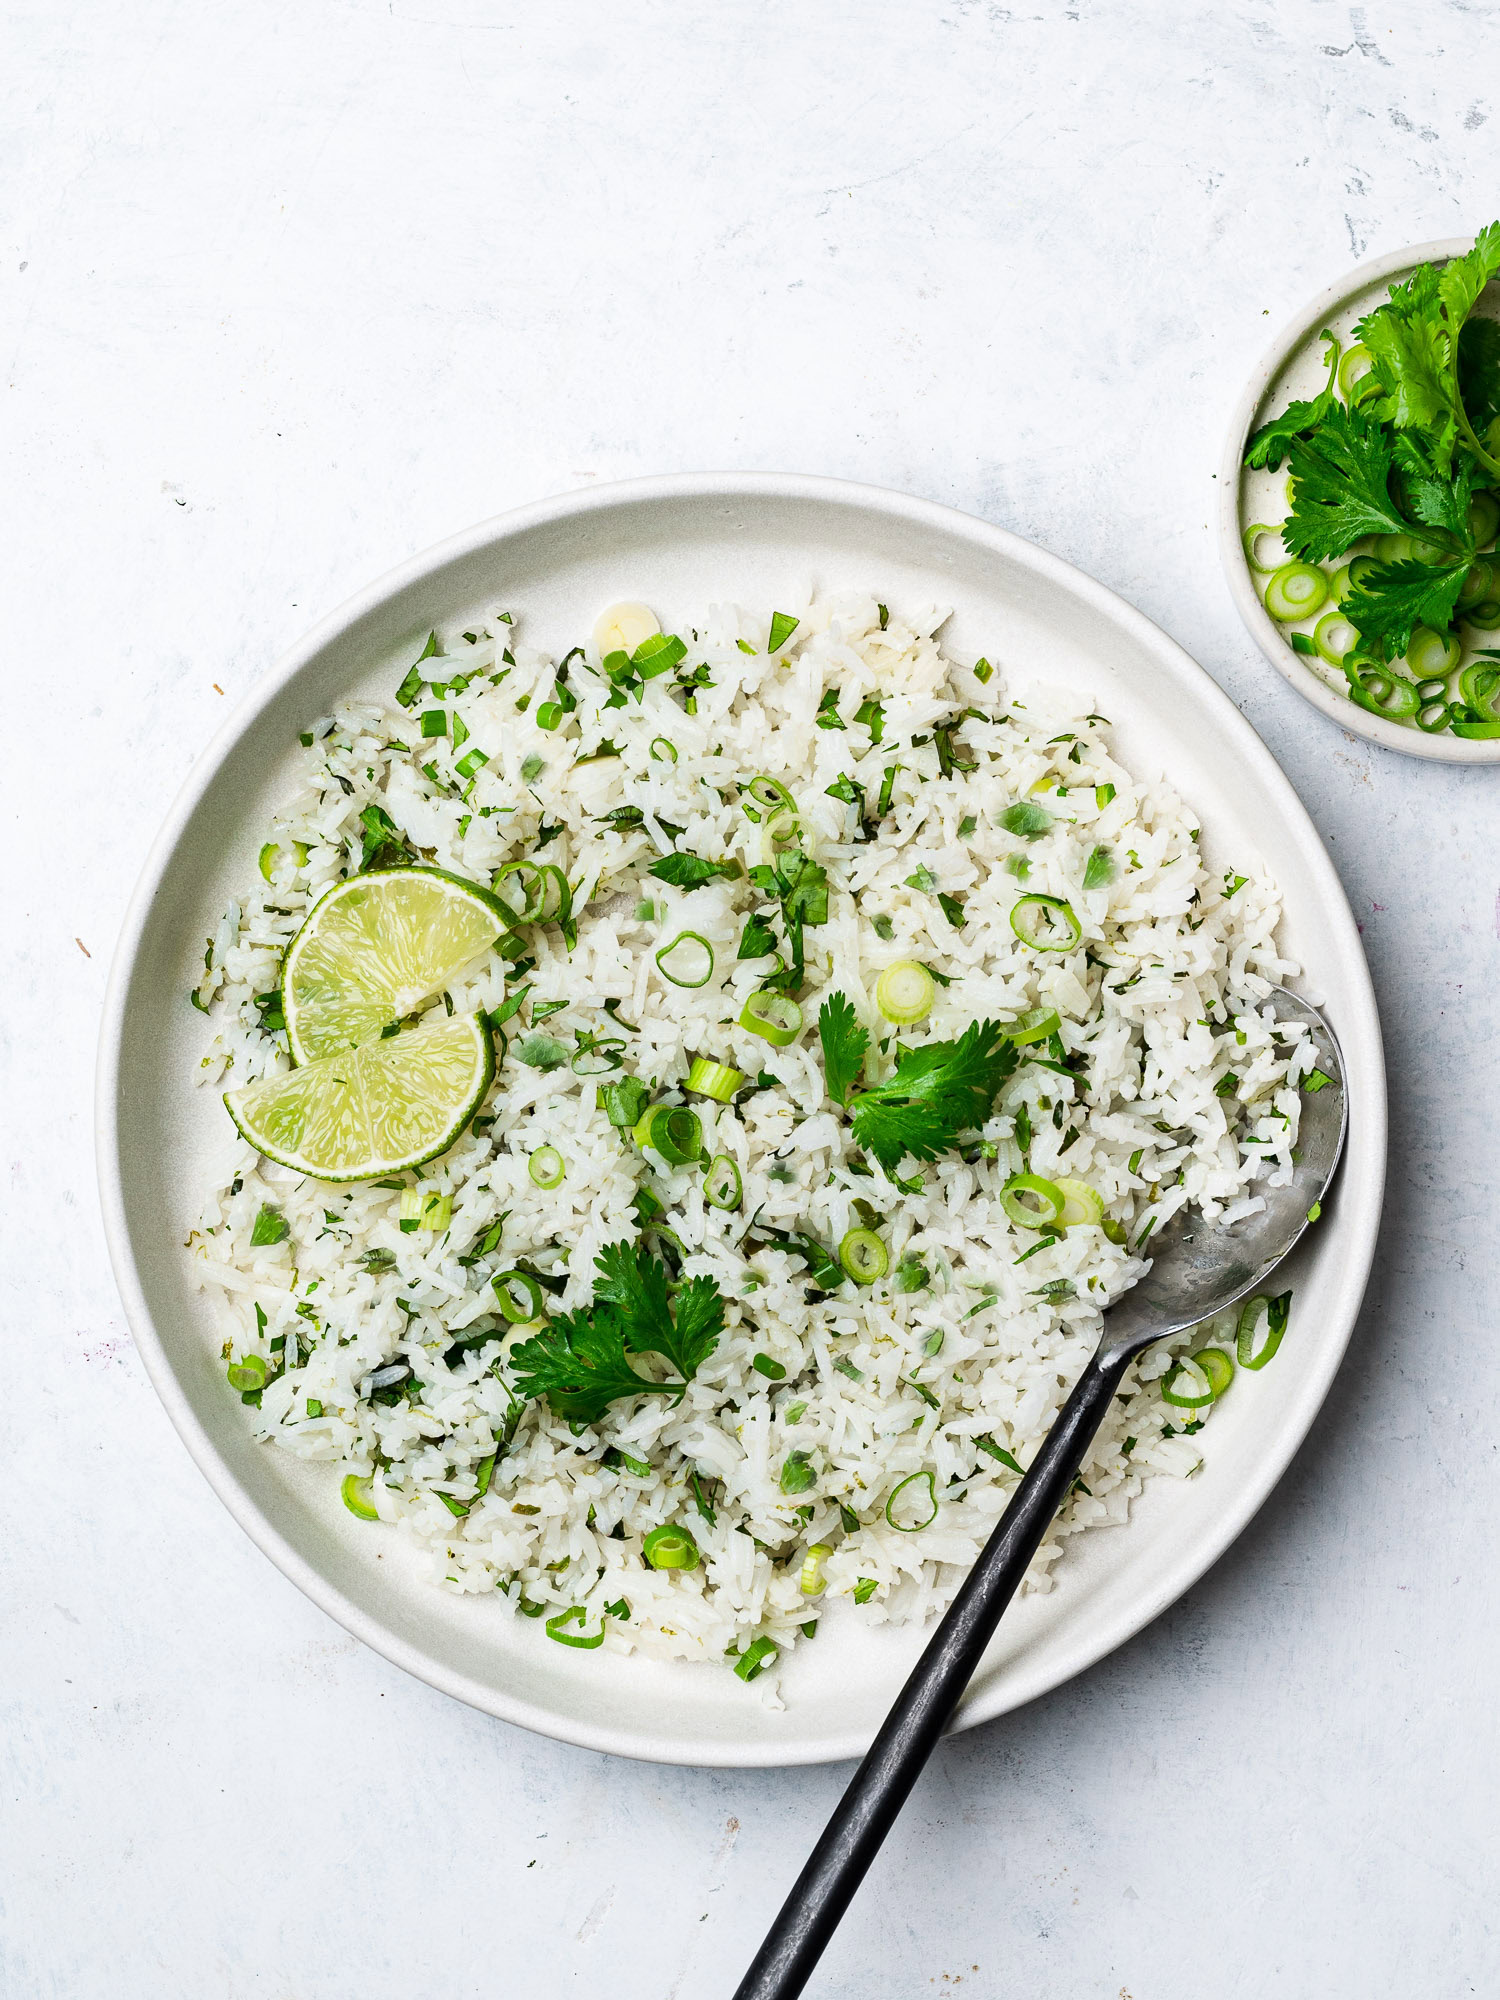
(374, 949)
(375, 1110)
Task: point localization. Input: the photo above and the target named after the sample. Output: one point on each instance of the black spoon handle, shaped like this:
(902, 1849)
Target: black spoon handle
(879, 1788)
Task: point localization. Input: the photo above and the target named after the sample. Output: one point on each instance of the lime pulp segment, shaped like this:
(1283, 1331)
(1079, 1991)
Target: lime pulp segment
(374, 949)
(373, 1110)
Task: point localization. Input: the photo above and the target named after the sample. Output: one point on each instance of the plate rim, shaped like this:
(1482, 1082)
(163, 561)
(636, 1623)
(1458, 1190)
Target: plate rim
(1247, 601)
(1020, 1685)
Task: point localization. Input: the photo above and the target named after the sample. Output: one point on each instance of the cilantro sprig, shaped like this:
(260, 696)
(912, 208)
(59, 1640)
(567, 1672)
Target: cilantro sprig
(936, 1093)
(580, 1362)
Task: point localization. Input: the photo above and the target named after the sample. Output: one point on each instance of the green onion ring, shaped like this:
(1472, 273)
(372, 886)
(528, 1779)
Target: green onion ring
(904, 991)
(1484, 518)
(1392, 548)
(670, 1547)
(1485, 615)
(1174, 1374)
(1038, 1024)
(1277, 1312)
(1430, 654)
(1354, 377)
(1334, 637)
(1478, 686)
(1296, 591)
(722, 1186)
(535, 897)
(506, 1284)
(355, 1493)
(1251, 541)
(546, 1167)
(1478, 578)
(1036, 921)
(714, 1079)
(863, 1256)
(1382, 692)
(663, 750)
(812, 1581)
(674, 1131)
(247, 1374)
(1021, 1212)
(774, 1016)
(771, 796)
(917, 1526)
(548, 716)
(1081, 1204)
(574, 1611)
(680, 978)
(1434, 715)
(1217, 1368)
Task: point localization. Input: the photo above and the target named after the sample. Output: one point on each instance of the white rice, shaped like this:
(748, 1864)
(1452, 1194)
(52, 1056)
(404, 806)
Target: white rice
(1164, 996)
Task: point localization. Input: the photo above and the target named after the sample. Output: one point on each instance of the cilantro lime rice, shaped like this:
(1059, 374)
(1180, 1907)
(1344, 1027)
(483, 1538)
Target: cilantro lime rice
(772, 1347)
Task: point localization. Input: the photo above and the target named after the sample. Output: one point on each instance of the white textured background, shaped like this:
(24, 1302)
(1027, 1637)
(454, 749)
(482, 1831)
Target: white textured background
(288, 291)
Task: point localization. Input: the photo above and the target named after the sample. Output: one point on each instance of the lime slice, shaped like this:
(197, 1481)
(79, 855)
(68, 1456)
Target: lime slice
(374, 949)
(375, 1110)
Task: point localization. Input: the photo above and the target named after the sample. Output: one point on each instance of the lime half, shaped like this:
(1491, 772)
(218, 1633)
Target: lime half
(375, 1110)
(374, 949)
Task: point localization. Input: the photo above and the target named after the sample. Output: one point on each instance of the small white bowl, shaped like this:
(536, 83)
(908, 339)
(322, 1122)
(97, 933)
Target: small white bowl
(1291, 367)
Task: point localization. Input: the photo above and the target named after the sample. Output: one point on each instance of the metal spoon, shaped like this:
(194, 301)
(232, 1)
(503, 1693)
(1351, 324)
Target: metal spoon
(1198, 1268)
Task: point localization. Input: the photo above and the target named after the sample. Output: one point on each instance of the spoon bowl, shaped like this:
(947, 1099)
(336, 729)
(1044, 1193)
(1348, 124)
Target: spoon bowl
(1198, 1269)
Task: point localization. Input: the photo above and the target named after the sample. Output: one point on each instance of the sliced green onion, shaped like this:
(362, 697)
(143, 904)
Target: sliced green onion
(1276, 1313)
(356, 1495)
(1433, 715)
(1479, 687)
(1217, 1368)
(1189, 1373)
(757, 1655)
(1340, 584)
(663, 750)
(1393, 548)
(1334, 637)
(1081, 1204)
(1382, 692)
(548, 716)
(670, 1548)
(555, 911)
(913, 1527)
(268, 856)
(1478, 578)
(695, 959)
(535, 891)
(1251, 543)
(519, 1296)
(1485, 614)
(546, 1167)
(813, 1581)
(773, 1016)
(598, 1058)
(1296, 590)
(674, 1131)
(864, 1256)
(763, 1364)
(1430, 654)
(1046, 923)
(574, 1613)
(771, 795)
(722, 1186)
(247, 1374)
(1033, 1203)
(421, 1210)
(714, 1079)
(1039, 1024)
(904, 991)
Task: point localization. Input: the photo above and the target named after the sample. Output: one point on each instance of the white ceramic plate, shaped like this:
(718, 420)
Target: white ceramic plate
(681, 543)
(1293, 367)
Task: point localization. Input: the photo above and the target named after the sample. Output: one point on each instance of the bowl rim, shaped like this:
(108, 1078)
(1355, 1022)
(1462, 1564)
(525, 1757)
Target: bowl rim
(1024, 1681)
(1257, 620)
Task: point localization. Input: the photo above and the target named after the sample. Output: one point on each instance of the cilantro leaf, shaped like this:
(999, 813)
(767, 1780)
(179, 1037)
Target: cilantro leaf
(1271, 443)
(937, 1092)
(1479, 371)
(635, 1283)
(688, 871)
(1416, 341)
(844, 1045)
(579, 1364)
(1342, 475)
(1392, 599)
(757, 940)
